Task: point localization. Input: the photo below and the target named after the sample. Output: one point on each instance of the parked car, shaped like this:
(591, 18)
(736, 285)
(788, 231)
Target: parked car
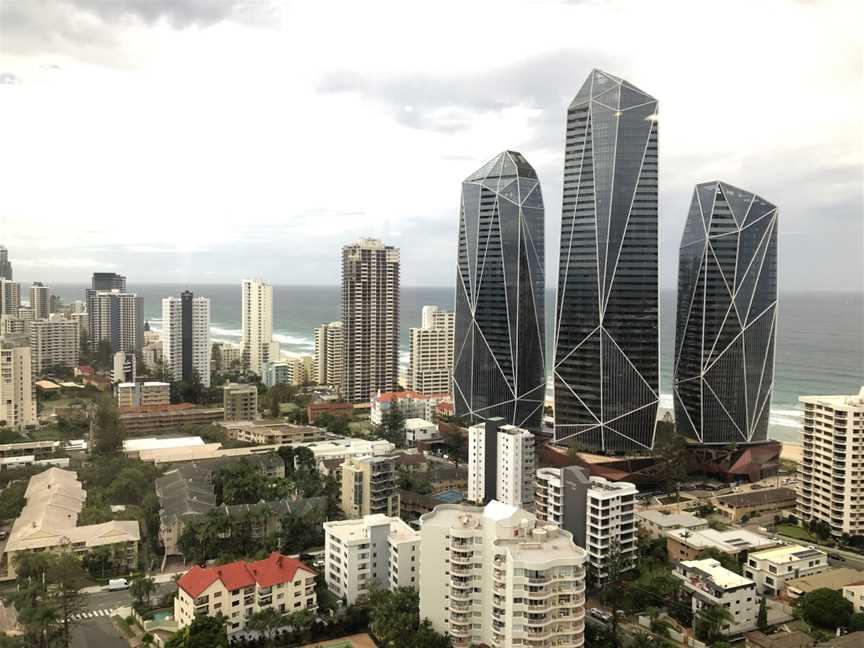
(116, 584)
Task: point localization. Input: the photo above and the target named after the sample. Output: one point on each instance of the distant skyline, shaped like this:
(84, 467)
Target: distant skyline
(206, 142)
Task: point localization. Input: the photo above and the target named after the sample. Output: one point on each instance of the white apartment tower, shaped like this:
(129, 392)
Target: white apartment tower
(10, 297)
(831, 472)
(17, 400)
(431, 365)
(373, 549)
(186, 337)
(117, 317)
(370, 319)
(500, 463)
(53, 342)
(709, 584)
(496, 576)
(257, 324)
(598, 513)
(328, 354)
(40, 300)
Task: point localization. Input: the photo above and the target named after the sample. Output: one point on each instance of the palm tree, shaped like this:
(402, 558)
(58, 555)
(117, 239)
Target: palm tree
(709, 621)
(142, 589)
(265, 622)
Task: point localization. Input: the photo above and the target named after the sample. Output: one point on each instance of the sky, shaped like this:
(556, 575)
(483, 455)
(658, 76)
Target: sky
(204, 141)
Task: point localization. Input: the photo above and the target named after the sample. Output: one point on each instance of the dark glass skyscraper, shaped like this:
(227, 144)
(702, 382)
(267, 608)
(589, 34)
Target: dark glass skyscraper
(727, 316)
(5, 265)
(499, 364)
(606, 330)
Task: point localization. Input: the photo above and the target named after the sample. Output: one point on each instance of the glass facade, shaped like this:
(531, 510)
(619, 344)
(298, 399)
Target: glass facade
(606, 371)
(499, 321)
(727, 316)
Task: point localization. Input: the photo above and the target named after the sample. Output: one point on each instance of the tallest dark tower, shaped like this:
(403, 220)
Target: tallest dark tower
(606, 368)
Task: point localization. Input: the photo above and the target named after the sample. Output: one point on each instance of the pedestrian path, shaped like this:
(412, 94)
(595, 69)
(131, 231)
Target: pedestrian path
(92, 614)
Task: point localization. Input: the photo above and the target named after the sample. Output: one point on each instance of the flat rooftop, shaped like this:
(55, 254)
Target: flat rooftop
(672, 520)
(729, 541)
(787, 554)
(712, 570)
(161, 443)
(758, 498)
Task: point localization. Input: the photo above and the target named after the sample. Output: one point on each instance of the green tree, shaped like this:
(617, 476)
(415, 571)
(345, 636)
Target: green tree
(142, 589)
(203, 632)
(215, 358)
(672, 447)
(108, 429)
(302, 622)
(762, 616)
(726, 560)
(393, 426)
(825, 608)
(266, 622)
(103, 359)
(12, 500)
(856, 622)
(709, 622)
(240, 483)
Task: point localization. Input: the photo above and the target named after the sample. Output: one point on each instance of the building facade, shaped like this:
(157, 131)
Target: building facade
(116, 317)
(727, 316)
(240, 402)
(495, 576)
(370, 319)
(500, 295)
(500, 463)
(606, 365)
(10, 297)
(40, 300)
(186, 337)
(5, 264)
(53, 343)
(771, 569)
(296, 370)
(17, 398)
(143, 394)
(410, 403)
(709, 584)
(328, 354)
(257, 325)
(830, 473)
(370, 486)
(430, 369)
(373, 549)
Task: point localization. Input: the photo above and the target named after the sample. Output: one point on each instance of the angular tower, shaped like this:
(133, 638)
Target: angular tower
(499, 322)
(606, 328)
(727, 316)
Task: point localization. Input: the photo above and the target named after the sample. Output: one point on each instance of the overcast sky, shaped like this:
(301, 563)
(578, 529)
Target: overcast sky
(210, 140)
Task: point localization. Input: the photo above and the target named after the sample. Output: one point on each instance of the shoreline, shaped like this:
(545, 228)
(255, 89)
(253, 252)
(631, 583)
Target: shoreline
(792, 451)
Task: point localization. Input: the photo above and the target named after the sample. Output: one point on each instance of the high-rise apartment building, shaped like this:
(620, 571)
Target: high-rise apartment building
(500, 283)
(117, 317)
(831, 475)
(373, 549)
(257, 325)
(125, 367)
(500, 463)
(101, 281)
(186, 337)
(598, 513)
(5, 264)
(727, 316)
(370, 319)
(240, 402)
(10, 297)
(495, 576)
(17, 400)
(53, 343)
(606, 365)
(40, 300)
(328, 354)
(296, 370)
(430, 368)
(369, 486)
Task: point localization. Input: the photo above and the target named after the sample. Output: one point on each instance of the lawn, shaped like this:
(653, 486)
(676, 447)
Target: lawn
(792, 531)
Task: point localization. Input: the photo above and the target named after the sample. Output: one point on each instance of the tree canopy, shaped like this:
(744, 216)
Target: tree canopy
(825, 608)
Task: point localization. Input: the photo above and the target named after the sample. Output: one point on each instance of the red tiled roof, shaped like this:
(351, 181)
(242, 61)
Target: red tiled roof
(274, 569)
(85, 370)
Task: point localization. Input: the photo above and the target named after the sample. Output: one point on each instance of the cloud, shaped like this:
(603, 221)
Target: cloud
(71, 263)
(7, 78)
(180, 14)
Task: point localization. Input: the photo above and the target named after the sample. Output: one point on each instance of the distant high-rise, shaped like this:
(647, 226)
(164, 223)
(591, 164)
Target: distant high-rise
(40, 300)
(53, 343)
(257, 325)
(5, 264)
(328, 354)
(499, 322)
(370, 319)
(430, 368)
(10, 297)
(17, 400)
(606, 369)
(186, 337)
(727, 316)
(101, 281)
(117, 317)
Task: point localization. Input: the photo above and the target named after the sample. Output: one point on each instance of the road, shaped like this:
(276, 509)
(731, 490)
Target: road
(100, 632)
(105, 600)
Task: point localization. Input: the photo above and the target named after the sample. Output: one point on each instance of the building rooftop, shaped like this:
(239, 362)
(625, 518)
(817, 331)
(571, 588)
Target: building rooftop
(729, 541)
(274, 569)
(758, 498)
(348, 531)
(832, 579)
(417, 423)
(854, 400)
(155, 443)
(795, 639)
(786, 554)
(672, 520)
(712, 570)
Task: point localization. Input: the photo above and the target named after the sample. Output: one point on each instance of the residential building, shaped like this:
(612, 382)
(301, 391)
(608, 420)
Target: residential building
(152, 354)
(500, 463)
(854, 593)
(240, 402)
(755, 502)
(10, 297)
(709, 584)
(125, 367)
(14, 325)
(369, 486)
(116, 317)
(17, 398)
(830, 476)
(683, 544)
(417, 429)
(372, 549)
(496, 576)
(152, 419)
(832, 578)
(727, 316)
(186, 337)
(297, 370)
(370, 319)
(771, 569)
(658, 523)
(257, 325)
(314, 410)
(53, 343)
(348, 448)
(410, 403)
(607, 360)
(598, 514)
(5, 264)
(328, 354)
(40, 300)
(240, 589)
(500, 295)
(49, 522)
(145, 394)
(269, 433)
(230, 355)
(430, 368)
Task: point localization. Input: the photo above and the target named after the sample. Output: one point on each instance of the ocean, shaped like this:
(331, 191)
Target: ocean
(820, 345)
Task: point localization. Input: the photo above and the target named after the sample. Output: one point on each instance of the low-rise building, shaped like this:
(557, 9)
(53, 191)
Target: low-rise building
(372, 549)
(240, 589)
(135, 446)
(418, 429)
(337, 409)
(833, 579)
(346, 448)
(755, 502)
(410, 403)
(854, 593)
(133, 394)
(771, 569)
(153, 419)
(369, 486)
(683, 544)
(299, 370)
(710, 584)
(658, 523)
(270, 433)
(49, 522)
(794, 639)
(240, 402)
